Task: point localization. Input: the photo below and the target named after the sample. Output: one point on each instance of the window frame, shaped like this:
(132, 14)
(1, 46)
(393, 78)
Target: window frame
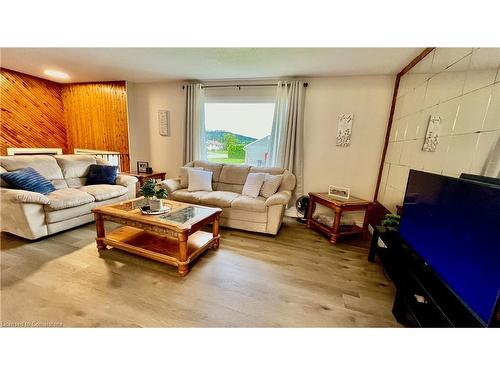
(264, 99)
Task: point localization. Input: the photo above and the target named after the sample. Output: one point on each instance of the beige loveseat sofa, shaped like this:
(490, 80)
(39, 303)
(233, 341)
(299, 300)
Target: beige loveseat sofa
(259, 214)
(33, 215)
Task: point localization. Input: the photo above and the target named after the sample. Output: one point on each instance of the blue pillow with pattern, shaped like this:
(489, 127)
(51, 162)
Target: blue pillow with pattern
(28, 179)
(102, 174)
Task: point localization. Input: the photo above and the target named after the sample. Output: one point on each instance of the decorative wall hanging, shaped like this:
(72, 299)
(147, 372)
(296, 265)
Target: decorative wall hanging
(432, 136)
(344, 130)
(164, 122)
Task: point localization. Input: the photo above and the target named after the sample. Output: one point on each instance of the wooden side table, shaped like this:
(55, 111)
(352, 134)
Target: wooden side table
(145, 176)
(338, 206)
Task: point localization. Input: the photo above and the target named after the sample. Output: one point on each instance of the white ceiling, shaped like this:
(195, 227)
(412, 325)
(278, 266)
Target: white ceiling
(163, 64)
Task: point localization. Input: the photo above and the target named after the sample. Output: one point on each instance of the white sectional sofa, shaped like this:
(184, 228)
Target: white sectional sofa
(33, 215)
(259, 214)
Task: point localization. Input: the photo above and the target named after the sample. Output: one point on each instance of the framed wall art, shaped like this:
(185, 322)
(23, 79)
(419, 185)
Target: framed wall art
(432, 136)
(344, 130)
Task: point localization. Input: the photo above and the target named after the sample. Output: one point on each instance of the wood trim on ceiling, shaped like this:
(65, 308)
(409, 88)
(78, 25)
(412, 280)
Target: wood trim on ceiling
(405, 70)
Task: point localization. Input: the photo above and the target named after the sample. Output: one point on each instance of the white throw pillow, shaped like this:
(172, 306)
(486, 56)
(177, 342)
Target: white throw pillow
(253, 184)
(271, 184)
(184, 175)
(199, 180)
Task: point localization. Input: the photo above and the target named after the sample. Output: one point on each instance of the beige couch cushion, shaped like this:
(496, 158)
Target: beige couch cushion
(229, 187)
(60, 184)
(44, 164)
(103, 192)
(23, 196)
(75, 165)
(2, 182)
(270, 170)
(68, 197)
(218, 198)
(249, 204)
(215, 168)
(183, 195)
(54, 216)
(76, 182)
(234, 174)
(244, 215)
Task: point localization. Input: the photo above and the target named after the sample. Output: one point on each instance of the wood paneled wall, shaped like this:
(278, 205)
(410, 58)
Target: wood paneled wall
(31, 112)
(39, 113)
(96, 117)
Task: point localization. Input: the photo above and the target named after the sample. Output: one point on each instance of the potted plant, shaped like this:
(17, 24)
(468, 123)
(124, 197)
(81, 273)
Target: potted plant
(391, 222)
(152, 191)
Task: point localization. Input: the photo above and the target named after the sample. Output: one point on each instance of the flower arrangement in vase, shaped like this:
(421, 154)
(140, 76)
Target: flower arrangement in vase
(154, 193)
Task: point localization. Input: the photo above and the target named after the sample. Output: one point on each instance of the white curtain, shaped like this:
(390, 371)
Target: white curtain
(194, 140)
(287, 134)
(492, 165)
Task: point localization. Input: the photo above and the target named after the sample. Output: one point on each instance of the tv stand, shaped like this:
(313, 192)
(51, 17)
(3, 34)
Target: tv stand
(422, 298)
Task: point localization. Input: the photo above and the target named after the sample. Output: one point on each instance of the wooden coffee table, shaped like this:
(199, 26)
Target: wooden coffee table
(174, 238)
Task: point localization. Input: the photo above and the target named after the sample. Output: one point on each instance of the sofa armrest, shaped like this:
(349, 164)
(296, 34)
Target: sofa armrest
(130, 182)
(22, 196)
(281, 197)
(171, 184)
(125, 180)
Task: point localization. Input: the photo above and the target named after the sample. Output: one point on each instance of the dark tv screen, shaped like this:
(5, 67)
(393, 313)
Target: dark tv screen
(454, 225)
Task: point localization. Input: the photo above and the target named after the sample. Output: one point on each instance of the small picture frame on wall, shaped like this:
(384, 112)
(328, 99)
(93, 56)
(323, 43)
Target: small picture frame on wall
(142, 166)
(339, 192)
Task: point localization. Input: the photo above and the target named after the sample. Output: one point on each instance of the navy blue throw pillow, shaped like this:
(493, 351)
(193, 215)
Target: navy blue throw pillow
(28, 179)
(102, 174)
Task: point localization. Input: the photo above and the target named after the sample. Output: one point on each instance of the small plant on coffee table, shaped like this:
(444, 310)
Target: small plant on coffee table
(151, 189)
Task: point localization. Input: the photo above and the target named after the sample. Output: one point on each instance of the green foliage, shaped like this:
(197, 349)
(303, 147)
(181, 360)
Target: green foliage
(218, 135)
(236, 151)
(229, 140)
(151, 189)
(391, 221)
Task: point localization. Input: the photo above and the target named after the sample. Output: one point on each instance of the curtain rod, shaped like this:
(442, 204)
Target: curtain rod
(243, 85)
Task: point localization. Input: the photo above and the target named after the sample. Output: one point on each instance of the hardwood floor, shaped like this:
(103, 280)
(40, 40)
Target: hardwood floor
(296, 279)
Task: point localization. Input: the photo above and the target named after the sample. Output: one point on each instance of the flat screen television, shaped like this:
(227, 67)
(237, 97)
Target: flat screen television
(478, 178)
(454, 225)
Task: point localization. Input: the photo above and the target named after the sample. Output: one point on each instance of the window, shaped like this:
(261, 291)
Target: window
(238, 132)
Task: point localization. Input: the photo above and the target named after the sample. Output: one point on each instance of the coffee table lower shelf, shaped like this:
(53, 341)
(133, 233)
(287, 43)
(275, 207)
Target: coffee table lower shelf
(160, 248)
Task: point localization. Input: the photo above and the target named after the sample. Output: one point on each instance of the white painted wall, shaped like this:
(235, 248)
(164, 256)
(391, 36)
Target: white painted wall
(369, 99)
(146, 144)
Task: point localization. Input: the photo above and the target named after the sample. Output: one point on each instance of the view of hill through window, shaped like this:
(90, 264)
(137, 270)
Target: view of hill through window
(238, 132)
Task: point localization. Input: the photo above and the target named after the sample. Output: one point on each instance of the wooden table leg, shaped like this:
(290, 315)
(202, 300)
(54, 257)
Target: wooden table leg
(365, 221)
(101, 233)
(310, 211)
(183, 266)
(336, 226)
(373, 245)
(215, 232)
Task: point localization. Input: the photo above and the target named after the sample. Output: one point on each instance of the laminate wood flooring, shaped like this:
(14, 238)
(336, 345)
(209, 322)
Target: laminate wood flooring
(296, 279)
